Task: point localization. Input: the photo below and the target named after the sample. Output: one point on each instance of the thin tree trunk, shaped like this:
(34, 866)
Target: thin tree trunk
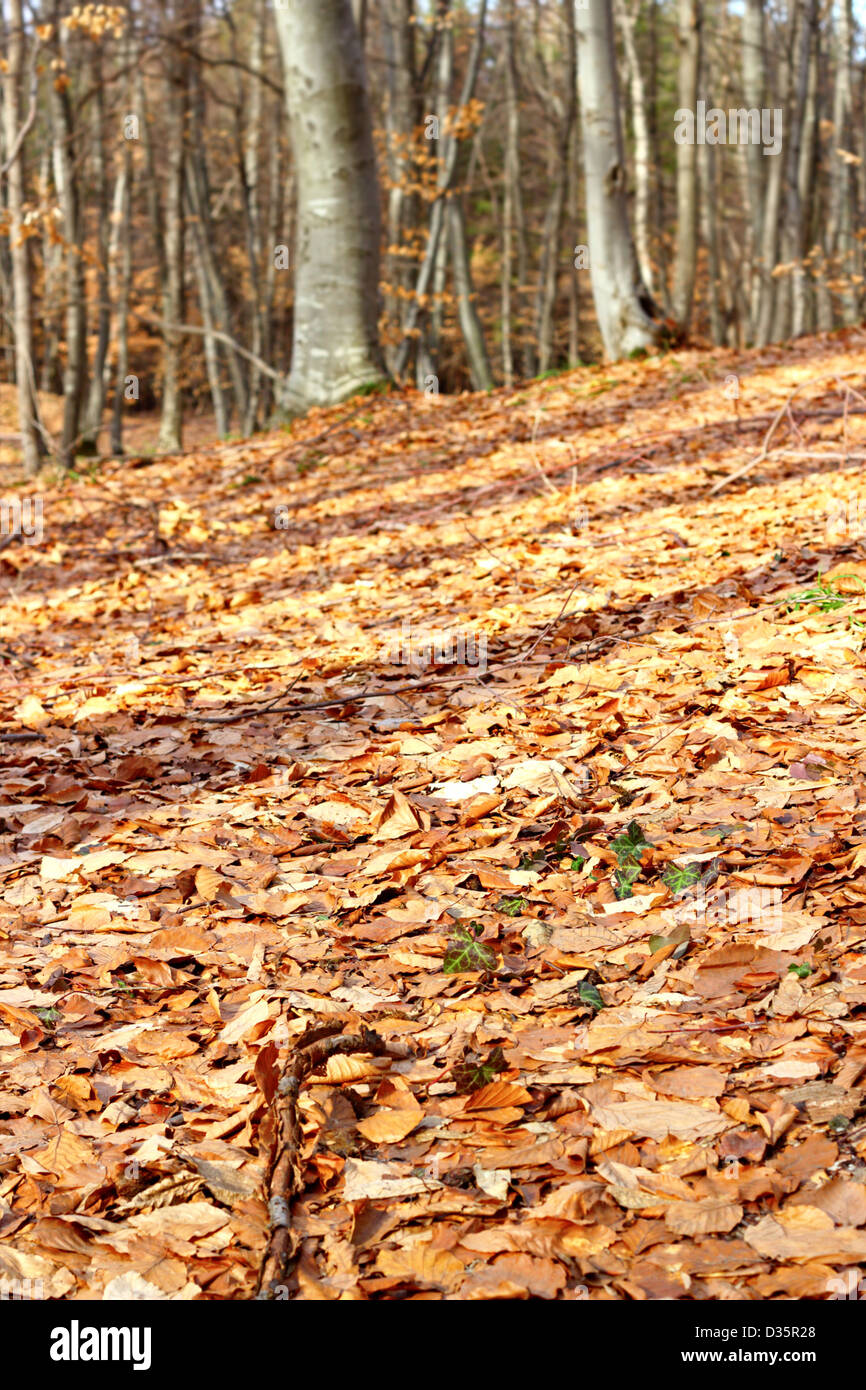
(796, 229)
(685, 265)
(99, 188)
(66, 180)
(402, 115)
(28, 418)
(470, 324)
(437, 216)
(840, 231)
(643, 165)
(772, 209)
(548, 277)
(185, 18)
(754, 83)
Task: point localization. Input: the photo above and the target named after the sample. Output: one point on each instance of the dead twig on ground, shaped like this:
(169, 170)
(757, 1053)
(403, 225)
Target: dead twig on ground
(285, 1174)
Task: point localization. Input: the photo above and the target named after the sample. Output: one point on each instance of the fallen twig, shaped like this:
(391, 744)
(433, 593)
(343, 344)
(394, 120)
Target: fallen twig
(784, 408)
(285, 1175)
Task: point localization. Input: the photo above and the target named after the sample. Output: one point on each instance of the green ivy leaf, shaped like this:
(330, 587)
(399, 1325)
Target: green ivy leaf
(466, 953)
(630, 845)
(512, 907)
(623, 880)
(473, 1073)
(679, 877)
(590, 995)
(801, 971)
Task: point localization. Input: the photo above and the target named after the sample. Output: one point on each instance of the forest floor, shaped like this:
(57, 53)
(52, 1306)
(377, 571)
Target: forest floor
(591, 867)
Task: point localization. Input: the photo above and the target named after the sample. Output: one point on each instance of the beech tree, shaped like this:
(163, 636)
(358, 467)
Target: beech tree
(14, 134)
(335, 343)
(627, 315)
(171, 242)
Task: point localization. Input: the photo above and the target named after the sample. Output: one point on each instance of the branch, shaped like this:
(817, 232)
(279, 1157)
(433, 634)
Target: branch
(31, 114)
(212, 333)
(285, 1175)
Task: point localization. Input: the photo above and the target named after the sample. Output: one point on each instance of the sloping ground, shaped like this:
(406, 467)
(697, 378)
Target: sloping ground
(591, 865)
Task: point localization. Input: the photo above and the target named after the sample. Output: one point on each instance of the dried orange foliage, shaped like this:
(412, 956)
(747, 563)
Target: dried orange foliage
(195, 871)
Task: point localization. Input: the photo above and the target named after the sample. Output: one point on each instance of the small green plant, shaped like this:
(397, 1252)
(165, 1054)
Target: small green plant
(679, 877)
(801, 971)
(628, 848)
(467, 952)
(589, 995)
(474, 1072)
(623, 880)
(630, 845)
(512, 907)
(822, 593)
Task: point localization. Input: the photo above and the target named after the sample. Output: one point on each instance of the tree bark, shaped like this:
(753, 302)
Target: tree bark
(643, 164)
(335, 348)
(627, 316)
(185, 24)
(28, 418)
(754, 82)
(685, 265)
(66, 171)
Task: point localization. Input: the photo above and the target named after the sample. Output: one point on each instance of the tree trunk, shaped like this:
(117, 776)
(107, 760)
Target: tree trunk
(28, 418)
(470, 324)
(627, 316)
(447, 174)
(66, 173)
(772, 209)
(840, 231)
(99, 185)
(643, 164)
(185, 17)
(685, 265)
(335, 349)
(548, 277)
(754, 82)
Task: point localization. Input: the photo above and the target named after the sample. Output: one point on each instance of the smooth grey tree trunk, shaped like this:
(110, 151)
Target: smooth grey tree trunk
(28, 419)
(66, 177)
(335, 345)
(627, 19)
(754, 82)
(768, 313)
(625, 310)
(840, 232)
(470, 323)
(99, 183)
(685, 265)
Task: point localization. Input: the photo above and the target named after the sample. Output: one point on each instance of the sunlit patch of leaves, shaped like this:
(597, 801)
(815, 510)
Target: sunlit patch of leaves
(467, 953)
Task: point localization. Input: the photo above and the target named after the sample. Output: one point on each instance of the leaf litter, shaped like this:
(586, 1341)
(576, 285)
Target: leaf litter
(423, 881)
